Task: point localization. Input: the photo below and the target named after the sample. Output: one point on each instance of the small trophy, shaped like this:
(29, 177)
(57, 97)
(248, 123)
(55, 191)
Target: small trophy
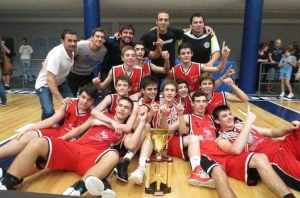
(159, 138)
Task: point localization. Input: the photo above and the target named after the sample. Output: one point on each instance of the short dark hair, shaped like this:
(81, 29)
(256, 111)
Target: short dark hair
(198, 94)
(123, 77)
(125, 26)
(67, 31)
(98, 29)
(218, 109)
(139, 43)
(181, 80)
(24, 39)
(128, 100)
(263, 45)
(148, 80)
(90, 90)
(206, 76)
(184, 45)
(196, 15)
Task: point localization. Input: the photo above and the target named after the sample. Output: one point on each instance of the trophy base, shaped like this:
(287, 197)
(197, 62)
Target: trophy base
(163, 189)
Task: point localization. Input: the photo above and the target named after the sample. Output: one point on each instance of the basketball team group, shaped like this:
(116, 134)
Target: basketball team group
(143, 88)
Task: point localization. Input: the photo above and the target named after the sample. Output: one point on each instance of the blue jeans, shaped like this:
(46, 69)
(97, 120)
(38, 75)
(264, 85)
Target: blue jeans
(2, 93)
(46, 99)
(27, 70)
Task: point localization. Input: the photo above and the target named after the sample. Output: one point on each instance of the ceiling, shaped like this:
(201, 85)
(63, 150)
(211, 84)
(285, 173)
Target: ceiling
(144, 10)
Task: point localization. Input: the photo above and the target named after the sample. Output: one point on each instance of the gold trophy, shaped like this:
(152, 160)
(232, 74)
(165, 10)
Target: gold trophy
(159, 138)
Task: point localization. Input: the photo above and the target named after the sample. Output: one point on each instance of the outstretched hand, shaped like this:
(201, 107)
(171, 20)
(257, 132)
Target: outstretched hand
(225, 50)
(97, 80)
(250, 117)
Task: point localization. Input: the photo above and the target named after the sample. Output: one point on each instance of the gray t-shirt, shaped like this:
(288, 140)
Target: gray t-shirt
(85, 59)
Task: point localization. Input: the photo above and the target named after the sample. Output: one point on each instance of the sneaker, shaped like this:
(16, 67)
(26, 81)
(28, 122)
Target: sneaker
(121, 170)
(1, 173)
(97, 187)
(94, 185)
(282, 95)
(6, 87)
(71, 192)
(271, 91)
(137, 175)
(200, 178)
(108, 192)
(290, 96)
(2, 187)
(3, 105)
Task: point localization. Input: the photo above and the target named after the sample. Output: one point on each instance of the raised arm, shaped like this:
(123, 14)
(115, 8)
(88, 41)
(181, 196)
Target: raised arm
(240, 95)
(278, 132)
(164, 70)
(238, 146)
(102, 85)
(221, 66)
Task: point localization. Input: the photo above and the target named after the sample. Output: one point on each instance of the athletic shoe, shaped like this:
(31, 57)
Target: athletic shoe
(137, 175)
(201, 178)
(271, 91)
(2, 187)
(6, 87)
(94, 185)
(1, 173)
(121, 170)
(97, 187)
(282, 95)
(108, 192)
(290, 96)
(70, 191)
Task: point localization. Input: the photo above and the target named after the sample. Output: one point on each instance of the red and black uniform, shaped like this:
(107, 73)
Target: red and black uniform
(72, 119)
(202, 126)
(81, 155)
(192, 75)
(218, 98)
(284, 155)
(146, 68)
(135, 76)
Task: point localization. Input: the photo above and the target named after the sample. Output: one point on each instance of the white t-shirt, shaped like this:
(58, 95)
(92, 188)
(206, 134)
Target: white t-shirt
(25, 51)
(57, 62)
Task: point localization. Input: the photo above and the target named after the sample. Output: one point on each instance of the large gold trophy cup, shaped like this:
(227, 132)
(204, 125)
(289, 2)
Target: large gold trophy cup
(159, 138)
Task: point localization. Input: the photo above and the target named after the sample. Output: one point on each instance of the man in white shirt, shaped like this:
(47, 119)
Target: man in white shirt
(25, 55)
(56, 67)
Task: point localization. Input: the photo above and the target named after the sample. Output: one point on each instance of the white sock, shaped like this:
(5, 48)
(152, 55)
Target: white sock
(195, 161)
(142, 161)
(129, 155)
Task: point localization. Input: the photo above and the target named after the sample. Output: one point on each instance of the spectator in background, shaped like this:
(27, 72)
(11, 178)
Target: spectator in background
(3, 49)
(294, 47)
(275, 55)
(5, 76)
(25, 55)
(262, 58)
(286, 65)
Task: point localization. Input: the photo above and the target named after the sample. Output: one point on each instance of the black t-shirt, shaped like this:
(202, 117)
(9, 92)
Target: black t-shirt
(173, 34)
(276, 54)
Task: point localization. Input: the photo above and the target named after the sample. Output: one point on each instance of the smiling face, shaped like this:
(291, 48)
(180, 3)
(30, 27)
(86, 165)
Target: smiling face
(150, 92)
(225, 119)
(127, 36)
(162, 22)
(185, 55)
(98, 39)
(123, 110)
(169, 93)
(122, 88)
(129, 57)
(69, 42)
(140, 51)
(183, 90)
(207, 86)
